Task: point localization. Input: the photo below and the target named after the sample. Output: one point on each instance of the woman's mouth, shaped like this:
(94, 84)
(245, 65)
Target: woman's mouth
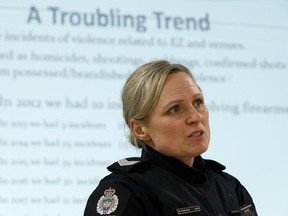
(196, 134)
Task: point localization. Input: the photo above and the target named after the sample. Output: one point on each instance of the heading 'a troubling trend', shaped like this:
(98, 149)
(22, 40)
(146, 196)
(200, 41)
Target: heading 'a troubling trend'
(114, 18)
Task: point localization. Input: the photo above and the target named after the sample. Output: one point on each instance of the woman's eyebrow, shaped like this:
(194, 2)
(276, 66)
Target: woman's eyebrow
(172, 102)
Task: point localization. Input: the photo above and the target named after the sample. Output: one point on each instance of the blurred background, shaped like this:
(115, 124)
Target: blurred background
(62, 68)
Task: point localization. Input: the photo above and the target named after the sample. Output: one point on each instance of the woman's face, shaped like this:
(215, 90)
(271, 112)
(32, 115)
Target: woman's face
(178, 125)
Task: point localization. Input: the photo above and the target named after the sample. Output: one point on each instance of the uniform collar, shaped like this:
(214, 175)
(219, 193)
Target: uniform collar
(195, 174)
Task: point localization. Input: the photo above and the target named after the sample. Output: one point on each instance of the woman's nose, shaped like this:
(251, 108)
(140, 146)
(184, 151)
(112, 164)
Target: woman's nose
(193, 116)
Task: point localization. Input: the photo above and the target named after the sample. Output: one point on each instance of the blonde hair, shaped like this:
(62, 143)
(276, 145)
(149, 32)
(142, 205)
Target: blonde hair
(142, 91)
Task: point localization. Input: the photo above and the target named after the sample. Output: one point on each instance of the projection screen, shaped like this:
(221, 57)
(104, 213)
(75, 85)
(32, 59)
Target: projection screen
(62, 67)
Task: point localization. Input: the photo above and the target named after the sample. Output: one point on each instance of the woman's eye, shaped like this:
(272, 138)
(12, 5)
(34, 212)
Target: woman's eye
(174, 109)
(198, 103)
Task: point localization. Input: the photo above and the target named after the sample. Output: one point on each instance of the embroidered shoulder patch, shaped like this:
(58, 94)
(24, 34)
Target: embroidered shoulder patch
(108, 202)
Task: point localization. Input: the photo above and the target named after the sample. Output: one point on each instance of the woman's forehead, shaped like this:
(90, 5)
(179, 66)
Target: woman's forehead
(178, 82)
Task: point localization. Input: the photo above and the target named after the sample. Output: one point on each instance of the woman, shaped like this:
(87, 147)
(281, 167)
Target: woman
(165, 111)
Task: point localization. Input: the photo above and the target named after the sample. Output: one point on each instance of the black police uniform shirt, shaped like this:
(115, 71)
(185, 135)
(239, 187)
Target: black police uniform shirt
(158, 185)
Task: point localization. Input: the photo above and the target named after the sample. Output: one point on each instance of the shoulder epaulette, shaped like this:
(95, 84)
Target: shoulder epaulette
(125, 165)
(214, 165)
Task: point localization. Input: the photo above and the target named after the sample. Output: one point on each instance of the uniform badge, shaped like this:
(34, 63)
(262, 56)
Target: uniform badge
(108, 202)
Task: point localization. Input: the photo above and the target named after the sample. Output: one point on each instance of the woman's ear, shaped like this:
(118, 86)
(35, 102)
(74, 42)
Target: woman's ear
(139, 130)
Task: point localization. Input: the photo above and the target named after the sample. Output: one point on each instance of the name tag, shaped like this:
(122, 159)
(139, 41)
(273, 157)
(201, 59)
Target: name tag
(187, 210)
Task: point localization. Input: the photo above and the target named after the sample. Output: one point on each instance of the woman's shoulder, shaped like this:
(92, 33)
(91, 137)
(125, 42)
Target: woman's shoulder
(126, 165)
(110, 196)
(116, 190)
(216, 171)
(118, 181)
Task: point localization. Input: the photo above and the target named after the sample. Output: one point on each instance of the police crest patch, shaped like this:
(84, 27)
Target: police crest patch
(108, 202)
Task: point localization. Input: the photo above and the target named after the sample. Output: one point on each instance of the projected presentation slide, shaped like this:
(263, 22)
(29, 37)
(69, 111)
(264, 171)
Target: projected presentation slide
(62, 68)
